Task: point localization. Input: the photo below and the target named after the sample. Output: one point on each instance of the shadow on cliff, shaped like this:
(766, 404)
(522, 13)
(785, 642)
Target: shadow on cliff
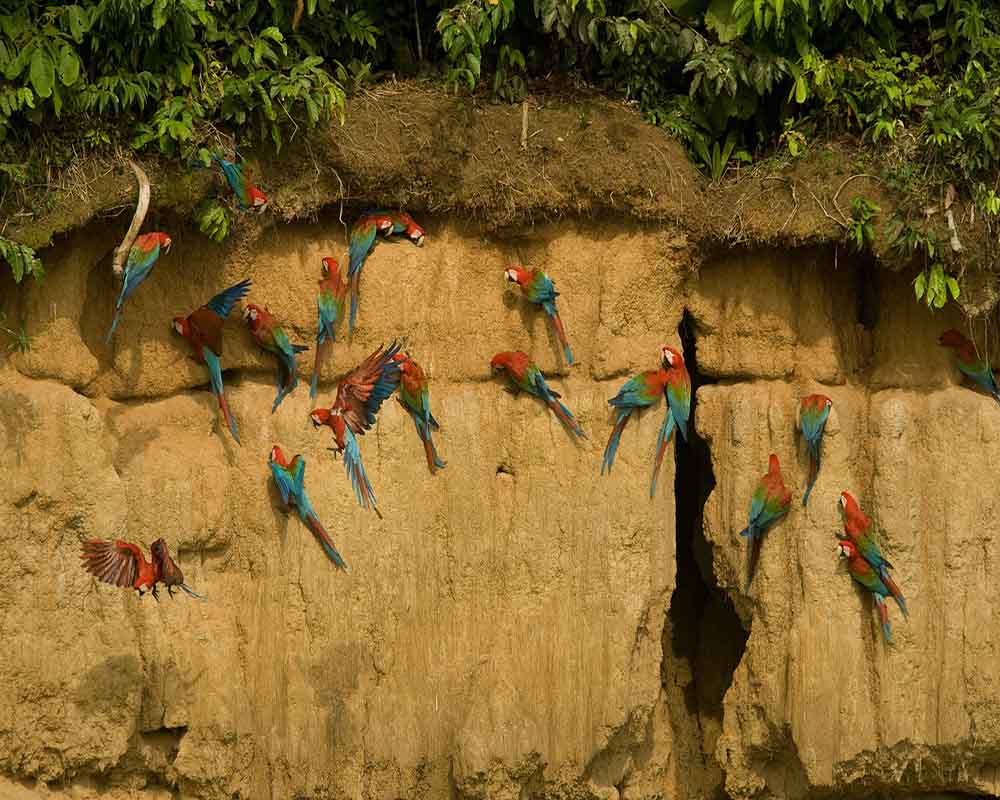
(703, 640)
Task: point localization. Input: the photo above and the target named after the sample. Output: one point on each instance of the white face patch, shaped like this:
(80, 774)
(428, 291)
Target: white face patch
(668, 356)
(843, 502)
(315, 418)
(511, 275)
(178, 328)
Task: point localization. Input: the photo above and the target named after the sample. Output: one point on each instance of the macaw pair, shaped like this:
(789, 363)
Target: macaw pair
(361, 242)
(271, 336)
(142, 257)
(643, 391)
(237, 176)
(203, 331)
(289, 477)
(124, 564)
(969, 363)
(525, 376)
(539, 289)
(865, 561)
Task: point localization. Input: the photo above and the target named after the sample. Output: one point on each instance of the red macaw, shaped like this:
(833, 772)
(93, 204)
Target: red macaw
(769, 503)
(123, 564)
(142, 256)
(813, 414)
(414, 396)
(247, 195)
(969, 362)
(330, 305)
(865, 574)
(272, 337)
(538, 287)
(360, 242)
(678, 412)
(203, 330)
(525, 376)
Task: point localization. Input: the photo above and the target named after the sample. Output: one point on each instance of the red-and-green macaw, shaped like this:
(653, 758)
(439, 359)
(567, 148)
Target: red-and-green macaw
(290, 480)
(640, 391)
(769, 503)
(858, 529)
(238, 178)
(414, 396)
(677, 388)
(969, 363)
(142, 256)
(814, 410)
(525, 376)
(402, 225)
(538, 288)
(360, 242)
(272, 337)
(124, 564)
(359, 396)
(203, 330)
(864, 574)
(330, 305)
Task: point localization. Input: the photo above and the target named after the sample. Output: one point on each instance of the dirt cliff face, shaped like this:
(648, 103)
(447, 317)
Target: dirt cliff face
(517, 626)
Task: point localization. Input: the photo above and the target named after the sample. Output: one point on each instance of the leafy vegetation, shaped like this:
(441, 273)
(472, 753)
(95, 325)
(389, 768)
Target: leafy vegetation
(917, 83)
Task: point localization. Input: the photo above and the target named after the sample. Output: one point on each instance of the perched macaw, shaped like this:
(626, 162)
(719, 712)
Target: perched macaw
(360, 394)
(290, 480)
(247, 195)
(640, 391)
(858, 528)
(272, 337)
(678, 411)
(142, 256)
(525, 376)
(770, 503)
(203, 330)
(968, 361)
(124, 564)
(360, 243)
(864, 574)
(814, 410)
(538, 288)
(330, 305)
(414, 396)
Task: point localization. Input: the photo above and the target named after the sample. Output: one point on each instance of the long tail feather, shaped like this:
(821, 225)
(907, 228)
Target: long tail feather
(813, 472)
(883, 613)
(192, 592)
(215, 374)
(355, 283)
(322, 346)
(114, 324)
(314, 525)
(897, 595)
(433, 462)
(611, 449)
(560, 333)
(666, 429)
(567, 417)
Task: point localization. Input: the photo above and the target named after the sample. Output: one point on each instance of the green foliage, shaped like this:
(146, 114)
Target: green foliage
(19, 341)
(861, 230)
(933, 285)
(22, 260)
(214, 220)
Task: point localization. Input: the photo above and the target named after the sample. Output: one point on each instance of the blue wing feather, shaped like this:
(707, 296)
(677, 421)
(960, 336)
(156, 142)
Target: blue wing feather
(224, 301)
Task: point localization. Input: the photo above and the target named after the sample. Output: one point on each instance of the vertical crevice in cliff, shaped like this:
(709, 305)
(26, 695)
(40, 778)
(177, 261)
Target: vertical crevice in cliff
(703, 640)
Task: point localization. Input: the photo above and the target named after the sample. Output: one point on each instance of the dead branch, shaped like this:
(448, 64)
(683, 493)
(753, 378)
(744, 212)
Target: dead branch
(836, 194)
(524, 125)
(142, 206)
(297, 15)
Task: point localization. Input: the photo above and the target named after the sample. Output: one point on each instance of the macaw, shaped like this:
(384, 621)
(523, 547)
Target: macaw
(678, 411)
(360, 243)
(124, 564)
(864, 573)
(969, 363)
(539, 289)
(770, 503)
(142, 256)
(290, 480)
(414, 396)
(272, 337)
(525, 376)
(814, 410)
(330, 305)
(247, 195)
(640, 391)
(857, 528)
(203, 330)
(360, 394)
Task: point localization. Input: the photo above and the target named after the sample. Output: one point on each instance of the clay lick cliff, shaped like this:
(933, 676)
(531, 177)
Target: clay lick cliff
(516, 626)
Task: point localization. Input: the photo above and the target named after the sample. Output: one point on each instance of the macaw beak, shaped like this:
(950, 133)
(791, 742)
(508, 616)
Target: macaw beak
(419, 241)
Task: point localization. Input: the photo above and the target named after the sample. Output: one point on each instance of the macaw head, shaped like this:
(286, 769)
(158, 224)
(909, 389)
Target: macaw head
(952, 338)
(411, 230)
(278, 456)
(165, 242)
(517, 274)
(671, 357)
(330, 266)
(403, 359)
(773, 467)
(181, 326)
(258, 200)
(254, 315)
(320, 417)
(847, 549)
(383, 224)
(500, 362)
